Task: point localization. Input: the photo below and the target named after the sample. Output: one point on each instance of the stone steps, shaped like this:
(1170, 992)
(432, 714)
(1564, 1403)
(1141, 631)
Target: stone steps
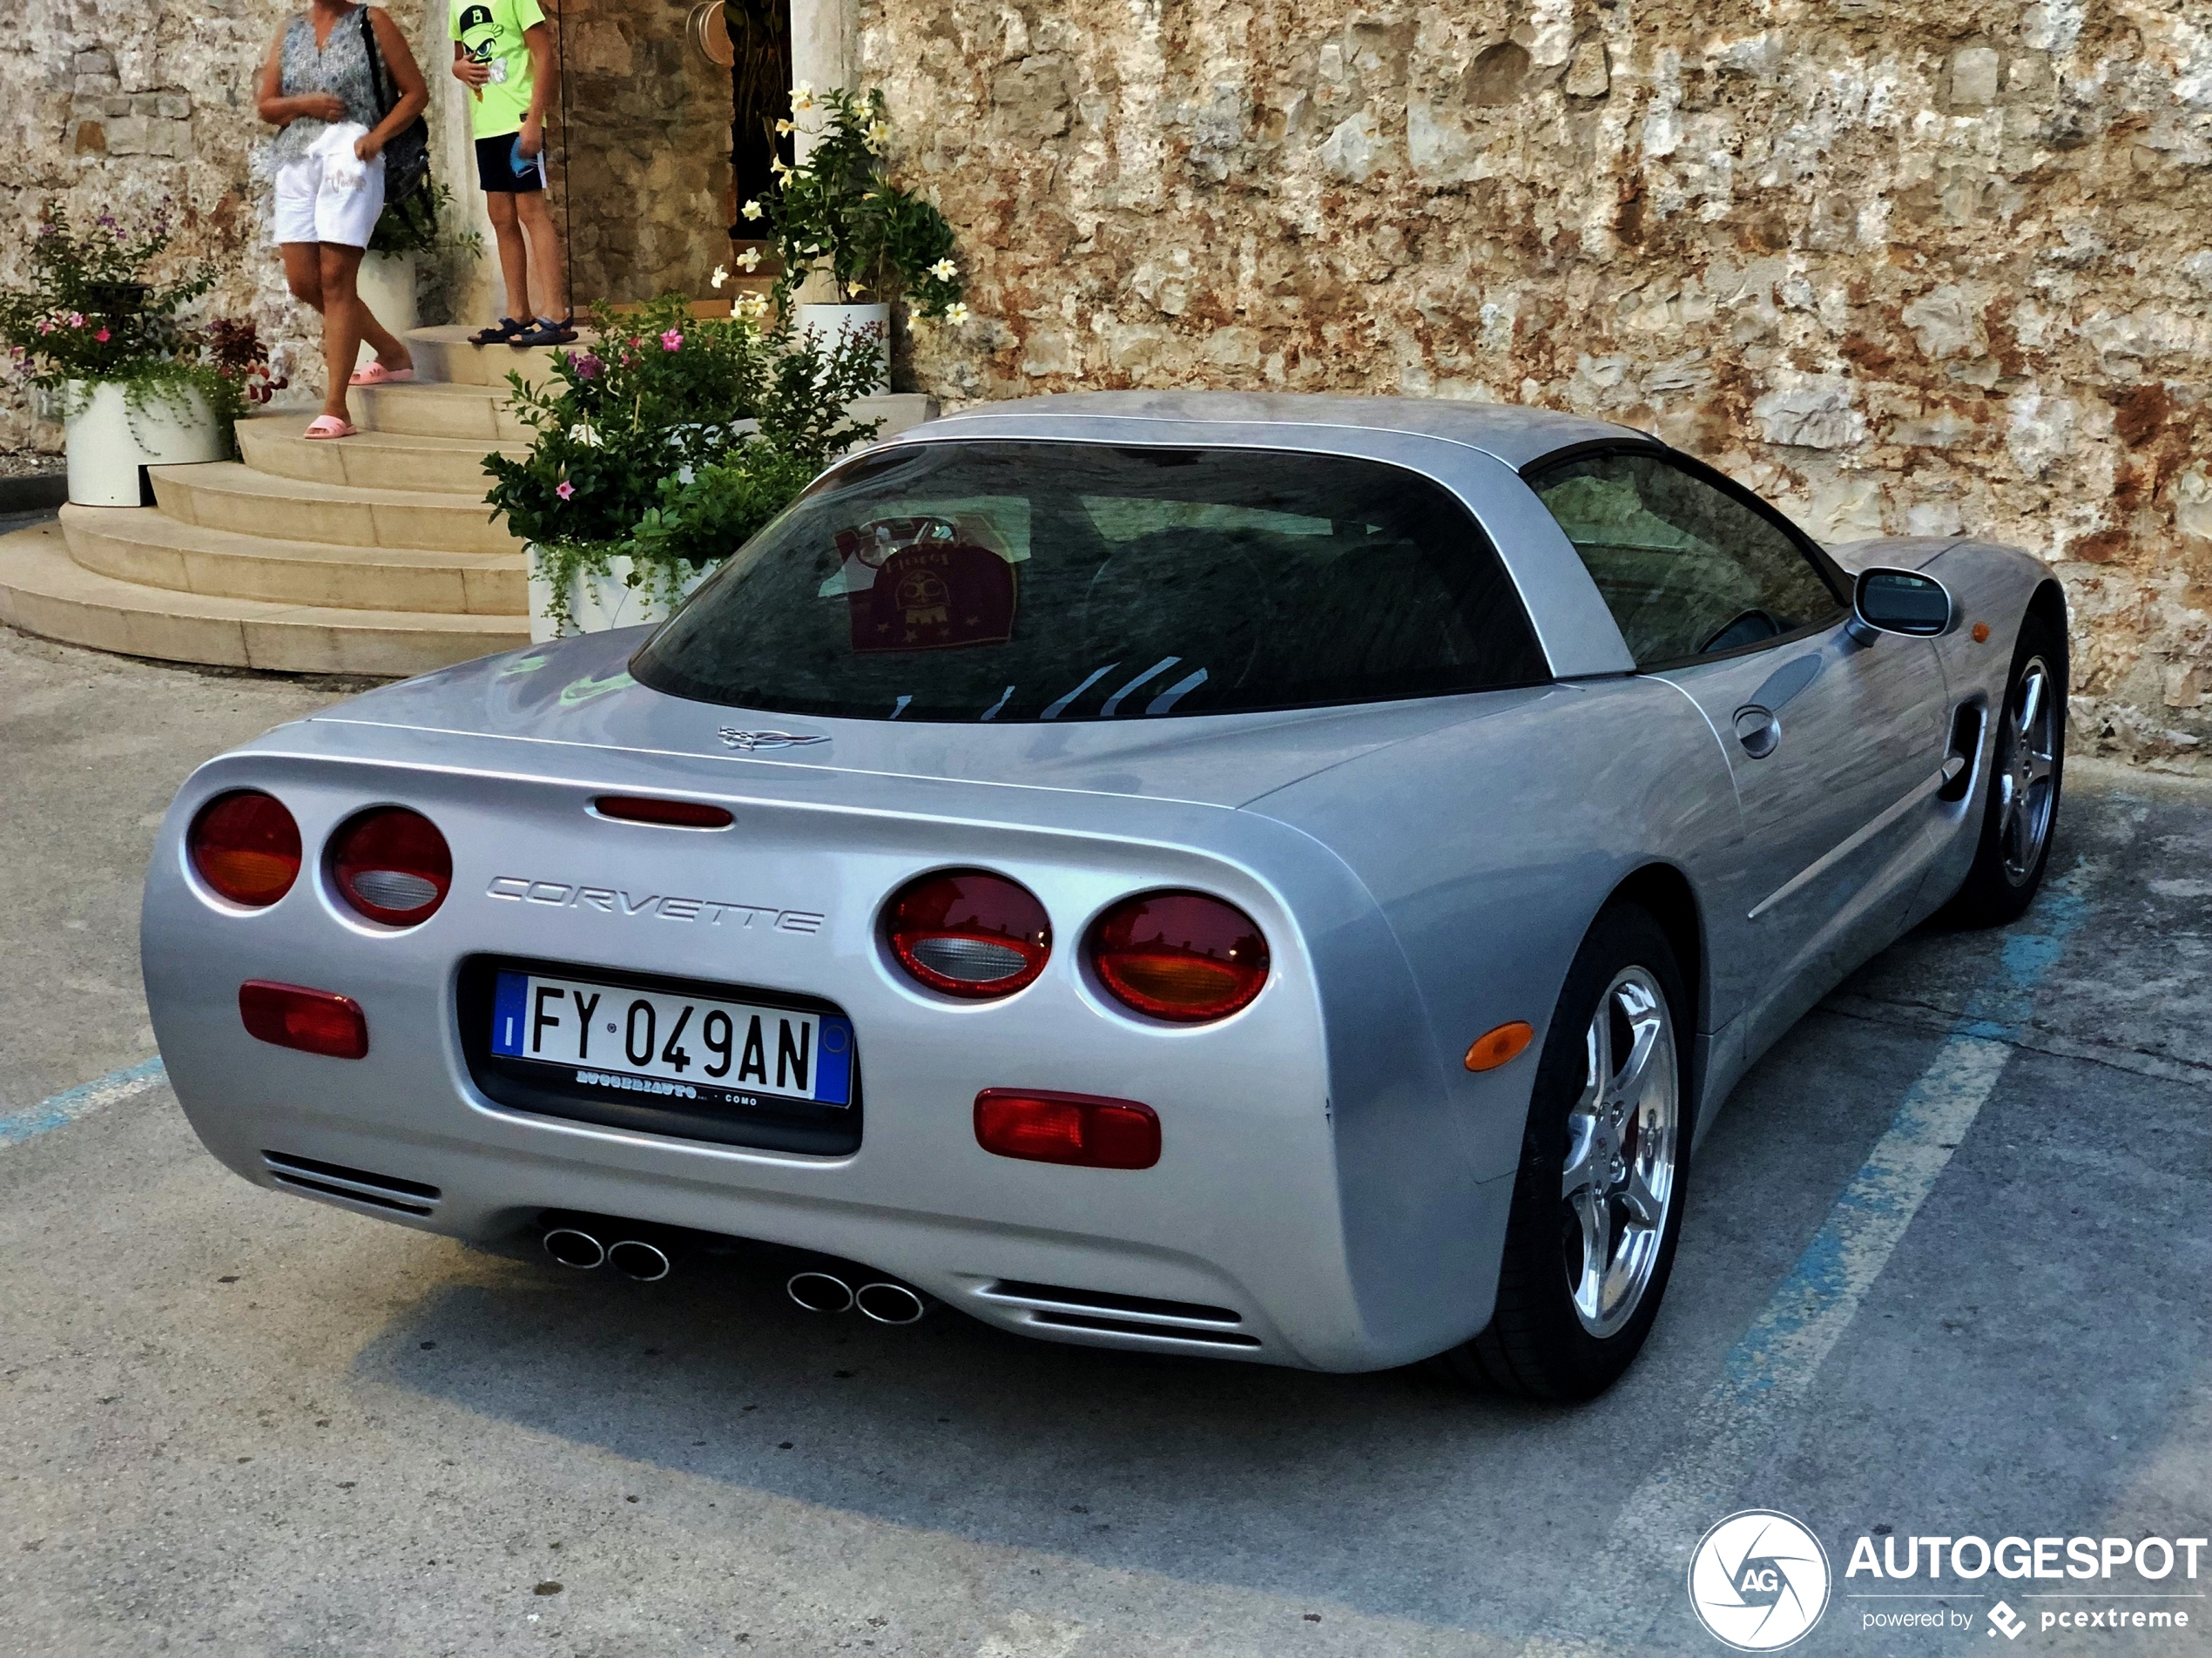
(152, 549)
(228, 495)
(370, 554)
(437, 409)
(45, 590)
(379, 460)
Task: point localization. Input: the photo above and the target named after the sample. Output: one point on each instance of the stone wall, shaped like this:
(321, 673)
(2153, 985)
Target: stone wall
(648, 148)
(109, 105)
(1903, 266)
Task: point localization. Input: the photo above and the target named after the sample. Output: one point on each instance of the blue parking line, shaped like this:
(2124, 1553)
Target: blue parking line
(73, 1103)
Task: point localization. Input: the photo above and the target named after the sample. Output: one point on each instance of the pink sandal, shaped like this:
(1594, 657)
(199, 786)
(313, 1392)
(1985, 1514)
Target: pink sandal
(374, 372)
(326, 426)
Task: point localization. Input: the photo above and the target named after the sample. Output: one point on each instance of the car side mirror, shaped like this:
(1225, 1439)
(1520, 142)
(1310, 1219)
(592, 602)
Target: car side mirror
(1899, 600)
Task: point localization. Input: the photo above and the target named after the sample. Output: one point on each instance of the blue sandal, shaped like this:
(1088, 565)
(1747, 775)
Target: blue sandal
(507, 330)
(545, 332)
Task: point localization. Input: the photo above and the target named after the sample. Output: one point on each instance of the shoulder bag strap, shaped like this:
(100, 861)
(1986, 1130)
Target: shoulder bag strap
(380, 78)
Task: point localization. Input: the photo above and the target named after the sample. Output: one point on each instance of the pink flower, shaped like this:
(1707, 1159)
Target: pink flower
(77, 319)
(101, 336)
(45, 326)
(671, 341)
(565, 490)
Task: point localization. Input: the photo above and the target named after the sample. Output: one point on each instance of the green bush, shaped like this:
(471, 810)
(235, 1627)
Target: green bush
(671, 440)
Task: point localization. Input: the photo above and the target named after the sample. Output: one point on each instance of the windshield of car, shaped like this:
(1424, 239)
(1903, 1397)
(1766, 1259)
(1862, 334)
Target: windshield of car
(1028, 580)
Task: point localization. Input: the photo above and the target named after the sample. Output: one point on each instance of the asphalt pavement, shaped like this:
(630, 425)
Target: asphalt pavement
(1944, 1272)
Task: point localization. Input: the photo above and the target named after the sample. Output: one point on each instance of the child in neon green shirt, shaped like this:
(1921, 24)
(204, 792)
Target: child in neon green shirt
(502, 51)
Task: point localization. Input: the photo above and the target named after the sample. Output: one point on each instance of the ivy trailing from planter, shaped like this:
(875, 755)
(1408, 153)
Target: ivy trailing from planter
(661, 403)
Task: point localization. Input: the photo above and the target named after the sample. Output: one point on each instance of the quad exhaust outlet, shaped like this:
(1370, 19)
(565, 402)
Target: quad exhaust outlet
(880, 1300)
(883, 1301)
(633, 1257)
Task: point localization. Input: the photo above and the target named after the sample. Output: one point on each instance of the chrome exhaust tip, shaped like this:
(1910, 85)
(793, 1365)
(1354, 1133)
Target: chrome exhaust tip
(634, 1258)
(573, 1248)
(820, 1291)
(891, 1303)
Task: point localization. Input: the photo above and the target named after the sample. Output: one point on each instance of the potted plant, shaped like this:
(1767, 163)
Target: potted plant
(838, 213)
(622, 430)
(135, 387)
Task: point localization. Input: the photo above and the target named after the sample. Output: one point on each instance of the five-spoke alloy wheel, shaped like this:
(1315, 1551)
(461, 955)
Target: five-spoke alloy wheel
(1618, 1184)
(1598, 1196)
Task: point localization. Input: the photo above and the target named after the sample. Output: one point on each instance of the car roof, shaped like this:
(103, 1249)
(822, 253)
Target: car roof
(1507, 432)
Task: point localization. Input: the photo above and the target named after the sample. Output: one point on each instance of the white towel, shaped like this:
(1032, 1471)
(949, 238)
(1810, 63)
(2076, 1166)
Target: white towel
(343, 172)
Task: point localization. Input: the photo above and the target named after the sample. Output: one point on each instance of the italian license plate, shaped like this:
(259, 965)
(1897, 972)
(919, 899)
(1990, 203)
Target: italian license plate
(650, 1044)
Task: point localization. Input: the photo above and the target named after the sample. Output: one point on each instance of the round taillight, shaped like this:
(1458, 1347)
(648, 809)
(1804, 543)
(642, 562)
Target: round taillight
(968, 933)
(392, 865)
(245, 846)
(1182, 956)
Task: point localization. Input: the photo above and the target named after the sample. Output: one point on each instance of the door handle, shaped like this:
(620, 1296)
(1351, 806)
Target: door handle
(1757, 729)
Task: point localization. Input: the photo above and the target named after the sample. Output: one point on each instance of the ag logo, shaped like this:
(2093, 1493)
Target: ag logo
(1758, 1581)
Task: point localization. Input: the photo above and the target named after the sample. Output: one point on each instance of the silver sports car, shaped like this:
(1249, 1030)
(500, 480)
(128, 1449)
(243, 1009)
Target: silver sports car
(1276, 878)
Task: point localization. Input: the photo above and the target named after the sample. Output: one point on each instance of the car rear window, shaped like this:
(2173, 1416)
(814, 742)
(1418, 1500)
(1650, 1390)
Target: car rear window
(1010, 580)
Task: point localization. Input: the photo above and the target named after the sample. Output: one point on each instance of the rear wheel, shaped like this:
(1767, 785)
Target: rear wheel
(1598, 1202)
(2027, 765)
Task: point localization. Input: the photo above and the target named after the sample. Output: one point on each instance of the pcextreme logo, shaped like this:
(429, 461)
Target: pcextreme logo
(1758, 1581)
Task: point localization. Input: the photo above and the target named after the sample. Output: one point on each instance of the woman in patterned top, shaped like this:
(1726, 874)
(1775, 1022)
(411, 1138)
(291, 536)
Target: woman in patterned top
(316, 85)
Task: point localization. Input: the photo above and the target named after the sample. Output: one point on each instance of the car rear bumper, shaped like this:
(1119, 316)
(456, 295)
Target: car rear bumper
(1251, 1209)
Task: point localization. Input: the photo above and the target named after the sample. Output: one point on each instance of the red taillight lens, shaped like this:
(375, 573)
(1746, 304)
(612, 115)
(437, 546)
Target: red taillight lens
(677, 814)
(392, 865)
(1067, 1128)
(245, 846)
(968, 933)
(314, 1022)
(1182, 956)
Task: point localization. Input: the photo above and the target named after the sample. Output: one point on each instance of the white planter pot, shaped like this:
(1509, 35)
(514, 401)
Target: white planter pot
(830, 323)
(109, 441)
(598, 603)
(386, 287)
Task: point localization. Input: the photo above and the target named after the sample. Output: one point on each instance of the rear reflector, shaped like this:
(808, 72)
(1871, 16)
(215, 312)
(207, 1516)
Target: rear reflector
(314, 1022)
(1067, 1128)
(245, 846)
(969, 932)
(1182, 956)
(677, 814)
(392, 865)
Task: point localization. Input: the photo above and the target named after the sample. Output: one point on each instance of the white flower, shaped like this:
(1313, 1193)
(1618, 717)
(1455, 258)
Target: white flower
(721, 275)
(802, 96)
(944, 270)
(778, 165)
(751, 210)
(751, 305)
(750, 260)
(786, 127)
(878, 135)
(956, 314)
(582, 433)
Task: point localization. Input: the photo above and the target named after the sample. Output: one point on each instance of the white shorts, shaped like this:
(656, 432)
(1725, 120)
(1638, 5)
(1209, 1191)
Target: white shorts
(313, 208)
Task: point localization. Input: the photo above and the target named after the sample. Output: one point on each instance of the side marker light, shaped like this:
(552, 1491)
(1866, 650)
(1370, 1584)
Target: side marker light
(1981, 633)
(1495, 1048)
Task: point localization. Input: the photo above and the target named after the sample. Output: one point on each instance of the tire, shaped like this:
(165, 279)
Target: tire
(1559, 1334)
(2027, 767)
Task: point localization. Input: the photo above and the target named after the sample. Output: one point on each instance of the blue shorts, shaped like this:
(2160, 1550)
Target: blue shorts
(495, 167)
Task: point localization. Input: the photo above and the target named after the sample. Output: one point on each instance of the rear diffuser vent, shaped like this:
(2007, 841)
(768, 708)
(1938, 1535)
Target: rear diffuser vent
(1122, 1315)
(352, 1185)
